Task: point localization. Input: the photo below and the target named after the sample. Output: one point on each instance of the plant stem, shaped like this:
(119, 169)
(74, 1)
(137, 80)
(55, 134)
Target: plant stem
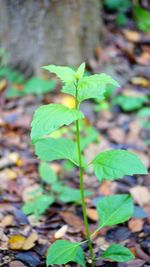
(82, 189)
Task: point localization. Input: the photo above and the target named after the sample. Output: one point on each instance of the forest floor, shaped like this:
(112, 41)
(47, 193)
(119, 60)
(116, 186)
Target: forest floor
(127, 58)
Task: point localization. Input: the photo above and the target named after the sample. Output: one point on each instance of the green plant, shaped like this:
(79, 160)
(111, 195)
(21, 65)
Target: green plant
(34, 86)
(129, 103)
(110, 165)
(142, 18)
(51, 190)
(140, 15)
(19, 87)
(120, 7)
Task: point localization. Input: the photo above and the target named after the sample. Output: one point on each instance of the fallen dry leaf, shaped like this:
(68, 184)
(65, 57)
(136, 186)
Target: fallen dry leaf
(143, 59)
(117, 135)
(3, 240)
(141, 253)
(16, 264)
(107, 188)
(10, 159)
(135, 225)
(132, 36)
(102, 243)
(10, 174)
(7, 221)
(73, 220)
(136, 263)
(92, 214)
(30, 241)
(16, 242)
(61, 232)
(140, 81)
(140, 194)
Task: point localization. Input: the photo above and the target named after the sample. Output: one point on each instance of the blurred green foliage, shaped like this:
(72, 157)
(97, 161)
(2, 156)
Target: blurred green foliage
(51, 190)
(129, 103)
(140, 15)
(18, 86)
(142, 18)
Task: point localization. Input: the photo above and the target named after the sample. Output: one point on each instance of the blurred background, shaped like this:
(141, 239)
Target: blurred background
(110, 36)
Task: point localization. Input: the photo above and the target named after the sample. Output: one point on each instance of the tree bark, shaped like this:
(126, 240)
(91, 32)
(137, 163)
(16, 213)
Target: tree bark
(63, 32)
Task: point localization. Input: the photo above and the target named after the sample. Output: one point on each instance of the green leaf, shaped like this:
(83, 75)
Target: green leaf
(114, 209)
(117, 4)
(121, 19)
(65, 74)
(38, 86)
(146, 125)
(12, 75)
(49, 118)
(12, 92)
(118, 253)
(142, 18)
(69, 194)
(144, 112)
(46, 173)
(38, 205)
(35, 86)
(80, 71)
(57, 187)
(113, 164)
(62, 252)
(55, 149)
(93, 86)
(129, 103)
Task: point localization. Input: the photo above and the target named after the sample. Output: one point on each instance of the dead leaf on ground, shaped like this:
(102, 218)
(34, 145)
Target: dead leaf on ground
(18, 242)
(10, 159)
(61, 232)
(16, 264)
(117, 135)
(141, 253)
(9, 174)
(140, 81)
(132, 36)
(73, 220)
(136, 263)
(3, 240)
(92, 214)
(135, 225)
(102, 243)
(30, 241)
(140, 194)
(143, 58)
(8, 220)
(107, 188)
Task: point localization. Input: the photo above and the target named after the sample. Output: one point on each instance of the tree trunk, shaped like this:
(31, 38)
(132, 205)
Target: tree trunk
(63, 32)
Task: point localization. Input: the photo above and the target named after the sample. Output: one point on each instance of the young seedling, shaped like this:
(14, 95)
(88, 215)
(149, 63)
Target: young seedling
(110, 164)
